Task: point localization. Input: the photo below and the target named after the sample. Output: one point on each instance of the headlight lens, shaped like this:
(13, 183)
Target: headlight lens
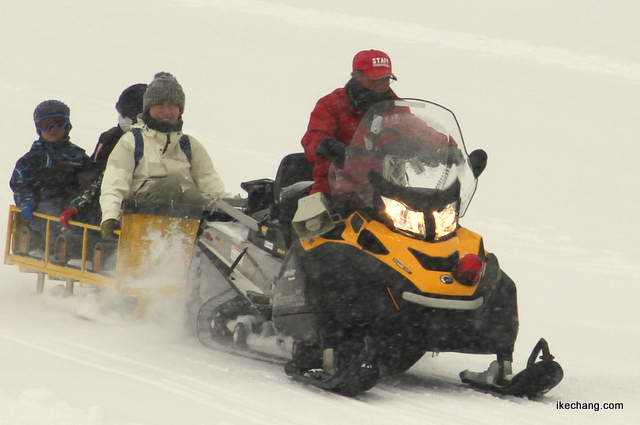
(411, 221)
(446, 221)
(404, 218)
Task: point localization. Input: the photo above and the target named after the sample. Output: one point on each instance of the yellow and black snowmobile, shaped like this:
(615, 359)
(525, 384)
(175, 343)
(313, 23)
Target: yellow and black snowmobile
(360, 284)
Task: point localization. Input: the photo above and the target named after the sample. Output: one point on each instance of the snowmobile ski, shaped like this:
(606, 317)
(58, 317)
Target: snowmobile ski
(347, 370)
(536, 379)
(350, 382)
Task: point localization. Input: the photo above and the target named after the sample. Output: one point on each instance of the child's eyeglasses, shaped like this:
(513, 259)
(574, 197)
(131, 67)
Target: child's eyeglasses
(52, 121)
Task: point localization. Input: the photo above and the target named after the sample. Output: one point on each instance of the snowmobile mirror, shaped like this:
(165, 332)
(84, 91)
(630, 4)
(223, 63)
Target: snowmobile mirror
(312, 217)
(478, 161)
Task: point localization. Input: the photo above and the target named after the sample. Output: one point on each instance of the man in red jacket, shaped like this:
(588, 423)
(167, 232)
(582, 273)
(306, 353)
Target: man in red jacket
(337, 115)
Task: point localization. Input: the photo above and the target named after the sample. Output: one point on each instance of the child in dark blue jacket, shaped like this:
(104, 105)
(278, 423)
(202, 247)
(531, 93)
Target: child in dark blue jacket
(47, 177)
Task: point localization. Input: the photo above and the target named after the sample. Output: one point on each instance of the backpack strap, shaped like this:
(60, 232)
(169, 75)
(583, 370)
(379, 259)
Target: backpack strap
(139, 147)
(138, 151)
(185, 145)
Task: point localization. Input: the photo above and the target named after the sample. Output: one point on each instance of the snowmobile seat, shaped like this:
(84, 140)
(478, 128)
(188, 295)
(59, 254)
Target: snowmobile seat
(259, 195)
(293, 181)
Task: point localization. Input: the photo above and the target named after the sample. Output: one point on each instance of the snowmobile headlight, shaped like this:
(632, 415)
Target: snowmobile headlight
(404, 218)
(446, 221)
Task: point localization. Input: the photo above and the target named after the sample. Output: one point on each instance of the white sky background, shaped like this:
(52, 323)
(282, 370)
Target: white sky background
(550, 89)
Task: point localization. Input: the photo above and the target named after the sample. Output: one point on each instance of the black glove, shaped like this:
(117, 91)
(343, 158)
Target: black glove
(333, 150)
(107, 228)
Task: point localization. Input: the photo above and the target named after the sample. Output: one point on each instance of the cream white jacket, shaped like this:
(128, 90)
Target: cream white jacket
(162, 156)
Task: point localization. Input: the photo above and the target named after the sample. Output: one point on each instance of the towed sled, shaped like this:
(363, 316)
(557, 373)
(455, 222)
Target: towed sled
(348, 288)
(150, 258)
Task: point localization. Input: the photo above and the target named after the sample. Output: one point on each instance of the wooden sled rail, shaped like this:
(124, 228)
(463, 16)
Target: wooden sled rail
(97, 261)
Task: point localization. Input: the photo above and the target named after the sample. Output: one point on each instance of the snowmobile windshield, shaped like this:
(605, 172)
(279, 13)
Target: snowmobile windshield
(408, 150)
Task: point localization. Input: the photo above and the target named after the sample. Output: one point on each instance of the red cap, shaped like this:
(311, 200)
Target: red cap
(374, 63)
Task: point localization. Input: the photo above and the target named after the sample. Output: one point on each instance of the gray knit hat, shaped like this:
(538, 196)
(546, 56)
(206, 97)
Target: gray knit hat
(163, 88)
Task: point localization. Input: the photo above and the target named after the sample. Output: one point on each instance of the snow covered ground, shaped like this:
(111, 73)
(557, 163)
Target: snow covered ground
(550, 89)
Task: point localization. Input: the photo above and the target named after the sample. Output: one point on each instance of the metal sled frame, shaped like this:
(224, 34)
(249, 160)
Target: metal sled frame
(136, 218)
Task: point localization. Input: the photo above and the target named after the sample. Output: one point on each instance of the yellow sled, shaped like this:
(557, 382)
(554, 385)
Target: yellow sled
(150, 258)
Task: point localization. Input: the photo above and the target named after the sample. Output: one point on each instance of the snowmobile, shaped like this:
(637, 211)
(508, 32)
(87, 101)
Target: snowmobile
(348, 288)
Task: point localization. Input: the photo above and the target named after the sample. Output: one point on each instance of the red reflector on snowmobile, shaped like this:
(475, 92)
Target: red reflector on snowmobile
(468, 270)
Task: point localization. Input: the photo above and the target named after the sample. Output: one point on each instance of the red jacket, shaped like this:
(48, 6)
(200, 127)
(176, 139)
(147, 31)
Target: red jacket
(334, 118)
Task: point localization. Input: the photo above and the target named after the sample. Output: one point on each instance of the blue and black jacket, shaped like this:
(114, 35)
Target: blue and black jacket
(48, 171)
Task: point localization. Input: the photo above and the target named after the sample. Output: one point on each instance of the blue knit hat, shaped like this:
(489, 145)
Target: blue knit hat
(50, 107)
